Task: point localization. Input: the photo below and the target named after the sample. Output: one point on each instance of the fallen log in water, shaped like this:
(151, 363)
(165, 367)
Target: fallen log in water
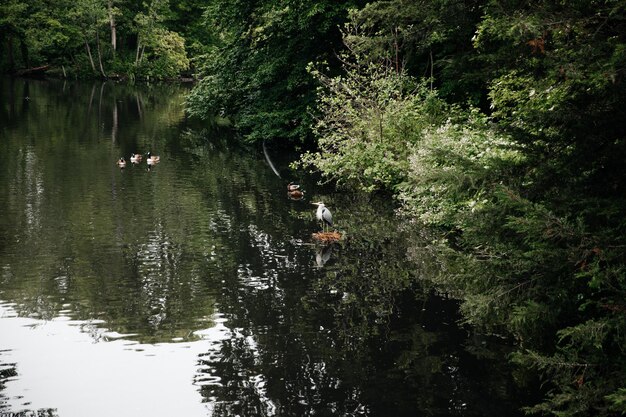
(33, 72)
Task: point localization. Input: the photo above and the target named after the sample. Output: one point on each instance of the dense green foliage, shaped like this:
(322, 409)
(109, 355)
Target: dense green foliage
(525, 197)
(367, 107)
(256, 71)
(100, 38)
(499, 125)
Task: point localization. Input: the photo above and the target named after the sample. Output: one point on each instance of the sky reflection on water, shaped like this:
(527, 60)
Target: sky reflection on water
(79, 369)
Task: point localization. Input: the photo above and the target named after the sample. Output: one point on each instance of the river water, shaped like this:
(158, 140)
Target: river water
(194, 287)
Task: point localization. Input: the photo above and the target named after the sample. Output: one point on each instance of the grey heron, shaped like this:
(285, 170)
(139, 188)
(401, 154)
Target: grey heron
(323, 215)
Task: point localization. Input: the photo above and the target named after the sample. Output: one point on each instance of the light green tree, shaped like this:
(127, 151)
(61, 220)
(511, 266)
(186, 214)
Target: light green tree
(160, 52)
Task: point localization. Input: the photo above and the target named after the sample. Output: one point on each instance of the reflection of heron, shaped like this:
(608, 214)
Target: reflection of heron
(323, 215)
(322, 254)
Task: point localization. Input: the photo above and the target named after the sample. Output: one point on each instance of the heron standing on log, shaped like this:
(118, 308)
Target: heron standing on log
(323, 215)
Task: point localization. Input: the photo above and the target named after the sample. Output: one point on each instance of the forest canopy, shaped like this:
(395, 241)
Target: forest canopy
(100, 38)
(497, 125)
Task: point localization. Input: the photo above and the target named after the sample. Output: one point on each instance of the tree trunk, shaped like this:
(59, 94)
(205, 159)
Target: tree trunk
(75, 65)
(93, 66)
(99, 55)
(432, 63)
(137, 52)
(100, 103)
(395, 42)
(113, 28)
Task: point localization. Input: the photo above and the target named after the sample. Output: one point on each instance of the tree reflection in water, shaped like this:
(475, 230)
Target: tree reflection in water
(361, 338)
(209, 238)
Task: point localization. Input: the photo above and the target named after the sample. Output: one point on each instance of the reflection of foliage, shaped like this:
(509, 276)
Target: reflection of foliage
(362, 289)
(152, 254)
(351, 342)
(109, 249)
(6, 372)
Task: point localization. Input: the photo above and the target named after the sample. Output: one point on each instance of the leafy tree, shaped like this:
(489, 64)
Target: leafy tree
(70, 35)
(429, 39)
(188, 21)
(12, 29)
(42, 33)
(166, 56)
(256, 74)
(370, 120)
(558, 85)
(556, 91)
(527, 200)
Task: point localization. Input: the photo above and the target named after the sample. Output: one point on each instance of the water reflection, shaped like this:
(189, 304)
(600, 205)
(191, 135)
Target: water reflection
(323, 254)
(59, 370)
(202, 267)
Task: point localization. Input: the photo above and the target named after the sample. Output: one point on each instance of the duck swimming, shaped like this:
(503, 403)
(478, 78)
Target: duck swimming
(121, 162)
(135, 158)
(295, 194)
(292, 187)
(152, 159)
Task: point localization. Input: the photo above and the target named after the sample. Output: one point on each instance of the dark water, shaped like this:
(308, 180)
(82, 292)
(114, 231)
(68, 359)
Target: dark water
(195, 289)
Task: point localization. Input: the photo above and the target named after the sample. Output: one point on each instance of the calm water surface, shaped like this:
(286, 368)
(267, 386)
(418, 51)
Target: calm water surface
(194, 288)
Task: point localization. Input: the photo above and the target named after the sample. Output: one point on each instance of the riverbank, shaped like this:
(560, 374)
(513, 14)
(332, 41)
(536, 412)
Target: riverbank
(47, 71)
